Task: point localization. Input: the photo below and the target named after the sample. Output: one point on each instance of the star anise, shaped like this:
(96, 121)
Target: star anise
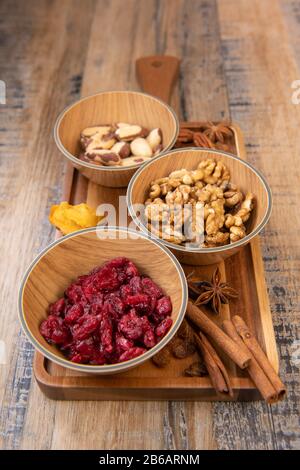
(214, 293)
(217, 132)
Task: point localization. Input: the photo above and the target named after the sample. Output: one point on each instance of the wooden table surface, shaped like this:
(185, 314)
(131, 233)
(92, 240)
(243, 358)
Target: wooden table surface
(239, 59)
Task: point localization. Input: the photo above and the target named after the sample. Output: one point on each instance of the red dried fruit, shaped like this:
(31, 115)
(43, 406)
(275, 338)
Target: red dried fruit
(86, 347)
(92, 294)
(73, 314)
(74, 293)
(149, 339)
(115, 303)
(150, 288)
(108, 316)
(58, 307)
(125, 291)
(152, 305)
(96, 309)
(131, 325)
(119, 262)
(54, 331)
(107, 279)
(125, 268)
(163, 306)
(146, 325)
(106, 335)
(123, 343)
(131, 354)
(98, 359)
(77, 358)
(88, 324)
(163, 327)
(135, 284)
(131, 270)
(139, 301)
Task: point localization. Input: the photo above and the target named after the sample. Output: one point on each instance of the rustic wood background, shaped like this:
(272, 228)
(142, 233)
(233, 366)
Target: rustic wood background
(239, 59)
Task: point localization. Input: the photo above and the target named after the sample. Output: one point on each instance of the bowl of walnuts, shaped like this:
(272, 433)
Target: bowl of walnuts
(203, 204)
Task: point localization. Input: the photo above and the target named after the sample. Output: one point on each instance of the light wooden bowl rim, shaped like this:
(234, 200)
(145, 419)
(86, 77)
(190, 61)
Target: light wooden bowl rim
(74, 159)
(219, 249)
(121, 366)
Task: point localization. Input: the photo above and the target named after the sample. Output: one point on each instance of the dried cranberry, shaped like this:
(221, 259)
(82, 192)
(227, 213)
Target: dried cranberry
(146, 325)
(125, 291)
(116, 303)
(139, 301)
(164, 306)
(78, 358)
(150, 288)
(106, 335)
(119, 262)
(131, 325)
(54, 331)
(98, 358)
(58, 307)
(96, 309)
(163, 327)
(131, 270)
(136, 285)
(131, 354)
(73, 314)
(88, 324)
(149, 339)
(152, 305)
(74, 293)
(85, 347)
(107, 279)
(123, 343)
(84, 280)
(91, 293)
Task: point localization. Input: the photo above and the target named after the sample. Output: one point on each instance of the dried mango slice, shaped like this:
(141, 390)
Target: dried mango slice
(68, 218)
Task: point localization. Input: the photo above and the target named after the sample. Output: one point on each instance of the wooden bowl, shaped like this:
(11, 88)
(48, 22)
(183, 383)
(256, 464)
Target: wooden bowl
(78, 253)
(105, 108)
(242, 173)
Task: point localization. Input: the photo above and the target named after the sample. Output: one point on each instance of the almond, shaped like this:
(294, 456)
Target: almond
(140, 147)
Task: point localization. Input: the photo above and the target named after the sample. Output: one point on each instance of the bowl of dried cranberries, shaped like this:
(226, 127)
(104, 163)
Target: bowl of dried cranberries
(102, 300)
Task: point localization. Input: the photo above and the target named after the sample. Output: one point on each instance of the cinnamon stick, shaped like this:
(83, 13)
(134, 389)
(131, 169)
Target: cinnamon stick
(254, 347)
(256, 373)
(217, 360)
(241, 358)
(215, 368)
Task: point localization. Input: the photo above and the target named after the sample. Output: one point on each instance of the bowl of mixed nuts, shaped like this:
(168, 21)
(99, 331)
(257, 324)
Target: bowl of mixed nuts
(109, 135)
(99, 300)
(203, 204)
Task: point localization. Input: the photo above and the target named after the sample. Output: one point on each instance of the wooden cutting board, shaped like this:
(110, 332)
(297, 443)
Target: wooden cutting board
(244, 271)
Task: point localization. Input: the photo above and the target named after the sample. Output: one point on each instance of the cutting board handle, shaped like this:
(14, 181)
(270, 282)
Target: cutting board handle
(157, 75)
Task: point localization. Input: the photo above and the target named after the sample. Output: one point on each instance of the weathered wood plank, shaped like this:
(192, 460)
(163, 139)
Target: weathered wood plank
(37, 41)
(253, 37)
